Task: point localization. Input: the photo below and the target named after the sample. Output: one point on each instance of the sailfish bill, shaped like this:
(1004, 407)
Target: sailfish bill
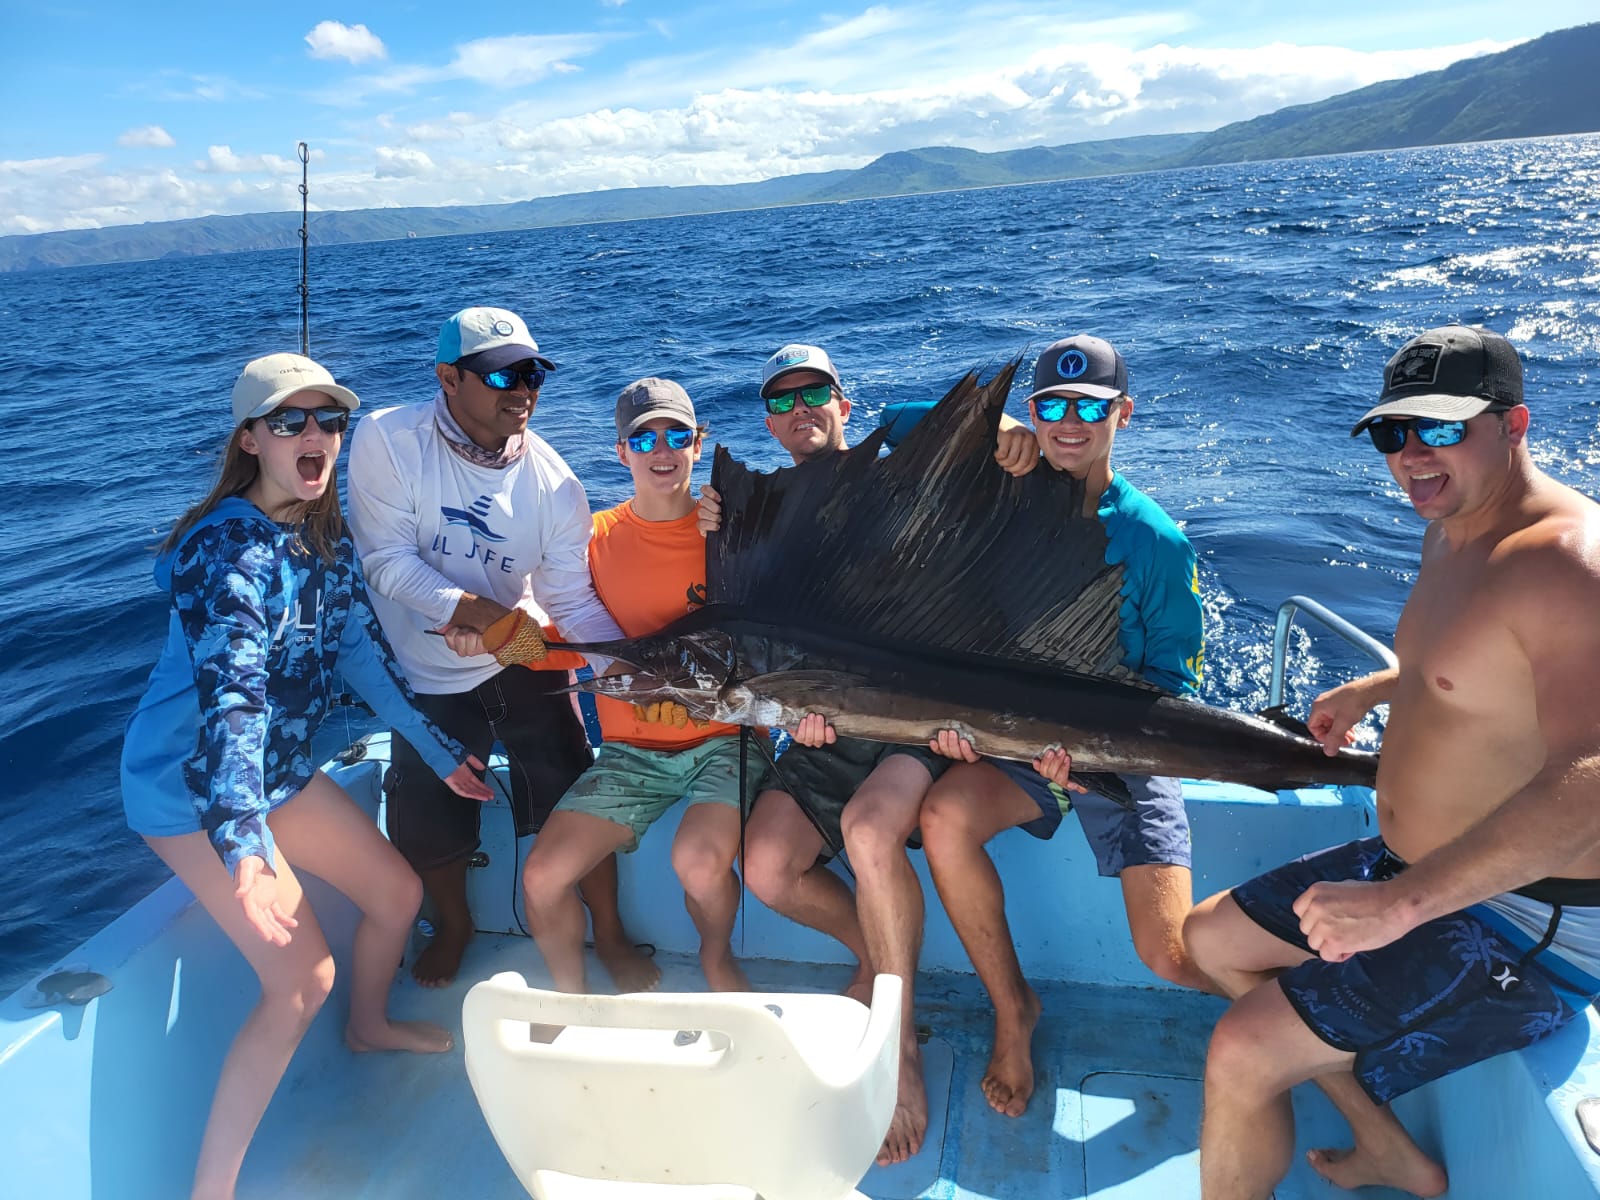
(927, 590)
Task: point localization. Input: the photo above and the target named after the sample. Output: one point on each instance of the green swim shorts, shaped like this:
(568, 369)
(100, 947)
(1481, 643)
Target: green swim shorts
(631, 786)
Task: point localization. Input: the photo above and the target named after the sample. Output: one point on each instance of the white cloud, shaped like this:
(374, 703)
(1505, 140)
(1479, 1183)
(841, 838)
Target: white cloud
(146, 135)
(214, 89)
(221, 160)
(27, 168)
(353, 43)
(502, 63)
(401, 163)
(835, 97)
(75, 193)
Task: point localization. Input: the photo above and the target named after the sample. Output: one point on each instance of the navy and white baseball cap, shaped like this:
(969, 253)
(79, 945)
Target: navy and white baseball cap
(268, 381)
(487, 339)
(797, 356)
(1452, 373)
(1080, 366)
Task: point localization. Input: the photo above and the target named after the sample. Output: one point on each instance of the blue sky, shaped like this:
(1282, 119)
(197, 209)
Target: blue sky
(119, 112)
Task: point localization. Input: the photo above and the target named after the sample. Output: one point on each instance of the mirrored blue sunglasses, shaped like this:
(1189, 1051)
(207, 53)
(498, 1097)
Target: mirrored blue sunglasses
(291, 422)
(1389, 434)
(1091, 409)
(505, 379)
(678, 438)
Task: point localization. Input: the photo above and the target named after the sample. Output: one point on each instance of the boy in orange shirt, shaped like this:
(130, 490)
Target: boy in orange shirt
(648, 562)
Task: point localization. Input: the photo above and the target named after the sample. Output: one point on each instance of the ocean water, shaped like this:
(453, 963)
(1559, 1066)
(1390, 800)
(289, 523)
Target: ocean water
(1256, 306)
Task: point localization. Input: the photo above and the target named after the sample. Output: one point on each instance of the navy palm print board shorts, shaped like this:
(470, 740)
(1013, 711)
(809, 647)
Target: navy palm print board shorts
(1452, 992)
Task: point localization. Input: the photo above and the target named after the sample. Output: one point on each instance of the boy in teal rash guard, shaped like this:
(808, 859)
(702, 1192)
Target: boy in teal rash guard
(1079, 402)
(217, 773)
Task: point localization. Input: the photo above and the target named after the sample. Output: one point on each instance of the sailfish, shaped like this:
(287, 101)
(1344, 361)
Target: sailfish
(898, 595)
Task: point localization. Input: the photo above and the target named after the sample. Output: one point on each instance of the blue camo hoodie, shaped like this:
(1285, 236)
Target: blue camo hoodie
(257, 628)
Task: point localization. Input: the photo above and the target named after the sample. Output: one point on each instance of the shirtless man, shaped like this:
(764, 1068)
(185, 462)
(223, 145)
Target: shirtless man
(859, 795)
(1471, 925)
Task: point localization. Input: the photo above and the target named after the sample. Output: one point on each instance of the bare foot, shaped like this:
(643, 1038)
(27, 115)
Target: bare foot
(1008, 1083)
(910, 1121)
(723, 972)
(417, 1037)
(1403, 1166)
(630, 970)
(860, 986)
(440, 959)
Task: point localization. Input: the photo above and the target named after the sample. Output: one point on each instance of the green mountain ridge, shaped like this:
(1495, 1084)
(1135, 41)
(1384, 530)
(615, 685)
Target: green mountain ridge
(1544, 87)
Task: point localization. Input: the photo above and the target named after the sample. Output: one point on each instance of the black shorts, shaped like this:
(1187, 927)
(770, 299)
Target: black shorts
(544, 746)
(822, 779)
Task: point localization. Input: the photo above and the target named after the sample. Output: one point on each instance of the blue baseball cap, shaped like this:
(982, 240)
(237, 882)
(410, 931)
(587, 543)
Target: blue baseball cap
(487, 339)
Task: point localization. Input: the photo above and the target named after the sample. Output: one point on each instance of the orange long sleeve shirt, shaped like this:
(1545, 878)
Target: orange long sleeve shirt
(648, 574)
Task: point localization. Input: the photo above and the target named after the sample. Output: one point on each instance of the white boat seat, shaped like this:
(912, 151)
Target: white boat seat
(714, 1096)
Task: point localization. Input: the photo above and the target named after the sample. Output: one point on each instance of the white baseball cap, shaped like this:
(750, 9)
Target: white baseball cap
(268, 381)
(797, 356)
(487, 339)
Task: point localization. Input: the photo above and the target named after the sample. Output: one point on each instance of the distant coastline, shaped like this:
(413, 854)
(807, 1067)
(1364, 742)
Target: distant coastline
(1541, 88)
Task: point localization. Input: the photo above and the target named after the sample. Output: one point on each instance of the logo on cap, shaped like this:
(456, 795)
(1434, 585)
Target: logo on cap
(1415, 365)
(789, 360)
(1072, 364)
(503, 328)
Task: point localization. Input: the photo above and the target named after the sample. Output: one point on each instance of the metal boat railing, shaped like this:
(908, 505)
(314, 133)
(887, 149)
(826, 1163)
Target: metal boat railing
(1359, 638)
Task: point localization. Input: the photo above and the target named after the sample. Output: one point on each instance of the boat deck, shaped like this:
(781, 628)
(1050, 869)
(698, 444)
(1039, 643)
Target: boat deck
(107, 1101)
(1116, 1113)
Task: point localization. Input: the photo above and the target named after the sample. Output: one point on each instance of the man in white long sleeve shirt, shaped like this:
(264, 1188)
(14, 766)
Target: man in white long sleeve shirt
(460, 515)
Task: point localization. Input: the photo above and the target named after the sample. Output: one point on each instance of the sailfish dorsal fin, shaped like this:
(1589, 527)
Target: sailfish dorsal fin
(933, 544)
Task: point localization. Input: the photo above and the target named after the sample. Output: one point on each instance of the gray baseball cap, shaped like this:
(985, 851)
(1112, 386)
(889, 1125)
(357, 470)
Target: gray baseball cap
(1451, 373)
(648, 398)
(1080, 366)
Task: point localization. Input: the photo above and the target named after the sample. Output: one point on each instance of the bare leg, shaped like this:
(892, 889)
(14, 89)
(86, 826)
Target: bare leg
(889, 904)
(295, 981)
(440, 959)
(324, 832)
(568, 849)
(1260, 1049)
(1158, 897)
(969, 804)
(702, 856)
(781, 847)
(1240, 957)
(630, 970)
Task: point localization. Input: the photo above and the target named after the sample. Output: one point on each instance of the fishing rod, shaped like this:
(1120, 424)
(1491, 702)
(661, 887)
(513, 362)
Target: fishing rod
(304, 152)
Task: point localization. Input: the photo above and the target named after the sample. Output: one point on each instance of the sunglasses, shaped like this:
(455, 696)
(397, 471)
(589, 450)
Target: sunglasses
(1091, 409)
(291, 422)
(678, 438)
(505, 379)
(1389, 435)
(814, 396)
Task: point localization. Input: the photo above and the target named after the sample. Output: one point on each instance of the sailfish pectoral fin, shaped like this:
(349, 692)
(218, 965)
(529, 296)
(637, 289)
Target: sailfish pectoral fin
(1108, 784)
(1280, 716)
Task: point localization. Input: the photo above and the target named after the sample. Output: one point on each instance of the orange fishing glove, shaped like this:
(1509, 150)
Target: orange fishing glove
(664, 712)
(515, 640)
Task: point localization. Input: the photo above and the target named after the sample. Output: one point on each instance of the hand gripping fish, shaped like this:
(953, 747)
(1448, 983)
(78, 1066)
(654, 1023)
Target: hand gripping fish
(928, 590)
